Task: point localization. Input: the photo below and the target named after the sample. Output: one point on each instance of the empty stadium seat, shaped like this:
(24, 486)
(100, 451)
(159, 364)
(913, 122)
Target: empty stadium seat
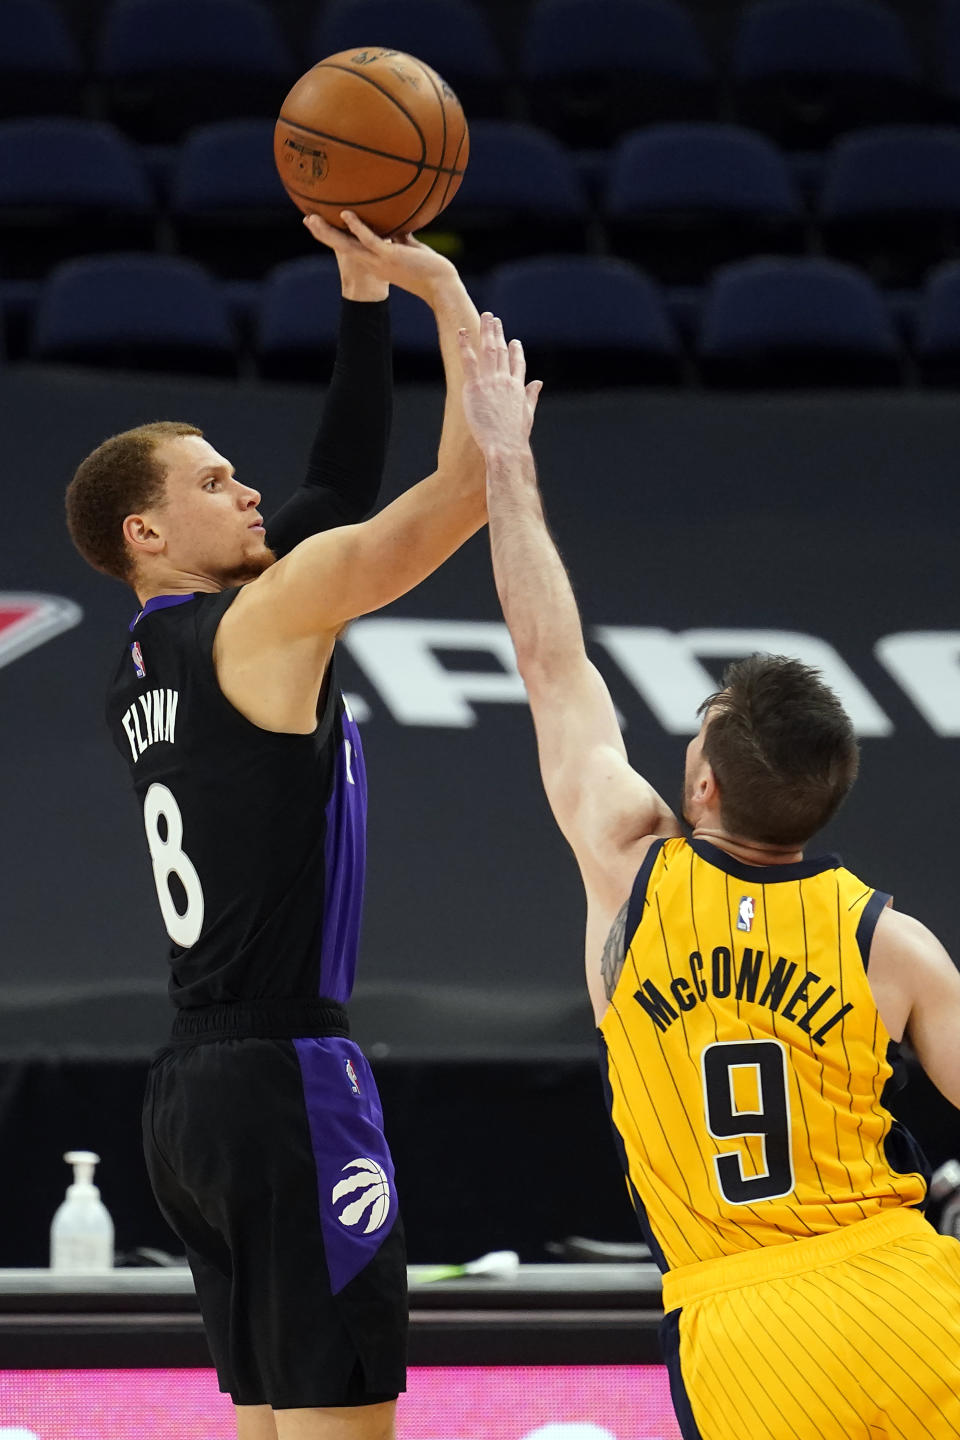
(808, 70)
(40, 67)
(682, 199)
(167, 65)
(453, 36)
(937, 339)
(947, 49)
(594, 69)
(69, 187)
(135, 312)
(521, 195)
(587, 322)
(298, 320)
(769, 324)
(891, 200)
(227, 205)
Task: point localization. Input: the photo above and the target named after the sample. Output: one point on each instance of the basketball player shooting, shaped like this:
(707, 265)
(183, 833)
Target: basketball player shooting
(749, 1002)
(262, 1127)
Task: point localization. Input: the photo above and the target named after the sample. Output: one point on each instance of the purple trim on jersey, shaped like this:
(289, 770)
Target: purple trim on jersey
(162, 602)
(345, 855)
(355, 1183)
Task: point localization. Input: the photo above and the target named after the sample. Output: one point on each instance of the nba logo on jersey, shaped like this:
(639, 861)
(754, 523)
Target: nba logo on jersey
(745, 913)
(138, 664)
(351, 1076)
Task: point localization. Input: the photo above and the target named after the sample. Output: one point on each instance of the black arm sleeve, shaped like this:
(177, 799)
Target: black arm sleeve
(346, 463)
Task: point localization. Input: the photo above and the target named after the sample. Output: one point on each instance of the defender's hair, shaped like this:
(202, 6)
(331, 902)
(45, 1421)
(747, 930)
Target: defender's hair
(782, 748)
(121, 477)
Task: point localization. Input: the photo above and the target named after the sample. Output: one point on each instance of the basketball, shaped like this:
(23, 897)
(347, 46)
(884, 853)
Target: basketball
(374, 131)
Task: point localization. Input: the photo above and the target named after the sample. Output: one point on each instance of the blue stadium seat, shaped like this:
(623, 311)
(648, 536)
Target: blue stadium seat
(521, 195)
(453, 36)
(937, 340)
(298, 320)
(596, 68)
(682, 199)
(808, 70)
(769, 324)
(587, 322)
(227, 205)
(135, 312)
(891, 200)
(167, 65)
(68, 187)
(947, 45)
(40, 67)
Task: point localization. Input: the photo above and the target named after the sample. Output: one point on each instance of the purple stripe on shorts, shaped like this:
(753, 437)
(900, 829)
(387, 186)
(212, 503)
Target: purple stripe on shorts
(355, 1181)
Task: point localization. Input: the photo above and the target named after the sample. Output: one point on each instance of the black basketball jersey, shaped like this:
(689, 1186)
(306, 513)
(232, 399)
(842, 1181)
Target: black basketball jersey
(257, 839)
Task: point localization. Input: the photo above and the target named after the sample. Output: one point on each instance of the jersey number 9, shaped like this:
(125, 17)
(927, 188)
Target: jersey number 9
(770, 1121)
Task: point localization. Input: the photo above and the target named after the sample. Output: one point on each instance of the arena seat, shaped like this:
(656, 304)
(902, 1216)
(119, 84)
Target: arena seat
(682, 199)
(168, 65)
(453, 36)
(587, 322)
(135, 312)
(41, 71)
(771, 324)
(594, 69)
(937, 339)
(891, 201)
(521, 196)
(227, 206)
(298, 319)
(68, 187)
(805, 71)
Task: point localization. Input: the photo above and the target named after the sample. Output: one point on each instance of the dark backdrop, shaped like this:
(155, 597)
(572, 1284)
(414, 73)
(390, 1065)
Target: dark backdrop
(832, 516)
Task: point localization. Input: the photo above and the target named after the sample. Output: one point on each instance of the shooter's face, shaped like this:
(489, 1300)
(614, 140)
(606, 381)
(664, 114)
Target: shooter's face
(208, 521)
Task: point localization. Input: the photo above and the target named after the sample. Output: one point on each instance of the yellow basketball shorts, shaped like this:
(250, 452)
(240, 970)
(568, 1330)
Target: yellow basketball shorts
(853, 1335)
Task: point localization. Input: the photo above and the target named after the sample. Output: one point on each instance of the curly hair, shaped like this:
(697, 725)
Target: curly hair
(782, 749)
(121, 477)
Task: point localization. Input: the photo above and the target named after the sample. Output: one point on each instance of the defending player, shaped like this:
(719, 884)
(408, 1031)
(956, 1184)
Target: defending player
(262, 1125)
(746, 999)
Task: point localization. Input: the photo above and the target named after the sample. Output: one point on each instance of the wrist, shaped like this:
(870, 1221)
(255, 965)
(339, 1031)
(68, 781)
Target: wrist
(363, 288)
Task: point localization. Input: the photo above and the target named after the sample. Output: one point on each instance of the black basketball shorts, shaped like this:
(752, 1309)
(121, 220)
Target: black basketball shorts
(267, 1157)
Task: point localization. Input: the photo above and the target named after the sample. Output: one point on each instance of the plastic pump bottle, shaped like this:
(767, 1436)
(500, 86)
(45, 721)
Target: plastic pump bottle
(81, 1236)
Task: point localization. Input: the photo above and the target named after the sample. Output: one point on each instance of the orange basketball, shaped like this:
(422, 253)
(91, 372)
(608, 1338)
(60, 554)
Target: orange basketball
(374, 131)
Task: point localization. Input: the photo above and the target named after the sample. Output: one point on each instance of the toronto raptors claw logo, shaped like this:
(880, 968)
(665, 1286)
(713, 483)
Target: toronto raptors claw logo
(26, 621)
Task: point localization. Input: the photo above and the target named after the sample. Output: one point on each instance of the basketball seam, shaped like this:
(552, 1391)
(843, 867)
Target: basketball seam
(347, 70)
(349, 204)
(454, 172)
(418, 165)
(443, 150)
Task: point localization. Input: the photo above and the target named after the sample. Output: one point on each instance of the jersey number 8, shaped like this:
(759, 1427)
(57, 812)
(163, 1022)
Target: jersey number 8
(168, 858)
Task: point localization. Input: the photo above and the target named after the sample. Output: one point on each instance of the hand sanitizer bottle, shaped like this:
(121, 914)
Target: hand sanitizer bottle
(81, 1236)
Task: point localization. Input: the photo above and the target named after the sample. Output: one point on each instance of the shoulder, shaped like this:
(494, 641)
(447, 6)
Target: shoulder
(899, 936)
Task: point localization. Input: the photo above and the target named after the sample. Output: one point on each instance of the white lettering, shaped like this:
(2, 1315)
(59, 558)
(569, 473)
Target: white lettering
(147, 708)
(131, 736)
(173, 697)
(665, 668)
(399, 656)
(141, 743)
(926, 663)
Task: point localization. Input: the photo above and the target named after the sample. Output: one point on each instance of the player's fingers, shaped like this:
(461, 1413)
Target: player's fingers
(533, 393)
(368, 239)
(322, 230)
(503, 359)
(468, 356)
(488, 339)
(517, 360)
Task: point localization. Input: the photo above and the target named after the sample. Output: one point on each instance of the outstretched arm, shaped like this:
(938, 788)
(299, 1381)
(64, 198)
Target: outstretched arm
(604, 808)
(345, 468)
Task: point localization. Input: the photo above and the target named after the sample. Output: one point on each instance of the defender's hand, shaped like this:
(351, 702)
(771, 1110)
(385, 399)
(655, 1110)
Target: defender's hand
(498, 405)
(402, 261)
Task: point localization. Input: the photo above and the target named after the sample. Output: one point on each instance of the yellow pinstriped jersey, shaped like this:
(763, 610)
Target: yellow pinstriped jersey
(745, 1058)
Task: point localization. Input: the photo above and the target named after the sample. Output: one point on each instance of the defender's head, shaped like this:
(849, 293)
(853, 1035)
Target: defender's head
(775, 755)
(156, 505)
